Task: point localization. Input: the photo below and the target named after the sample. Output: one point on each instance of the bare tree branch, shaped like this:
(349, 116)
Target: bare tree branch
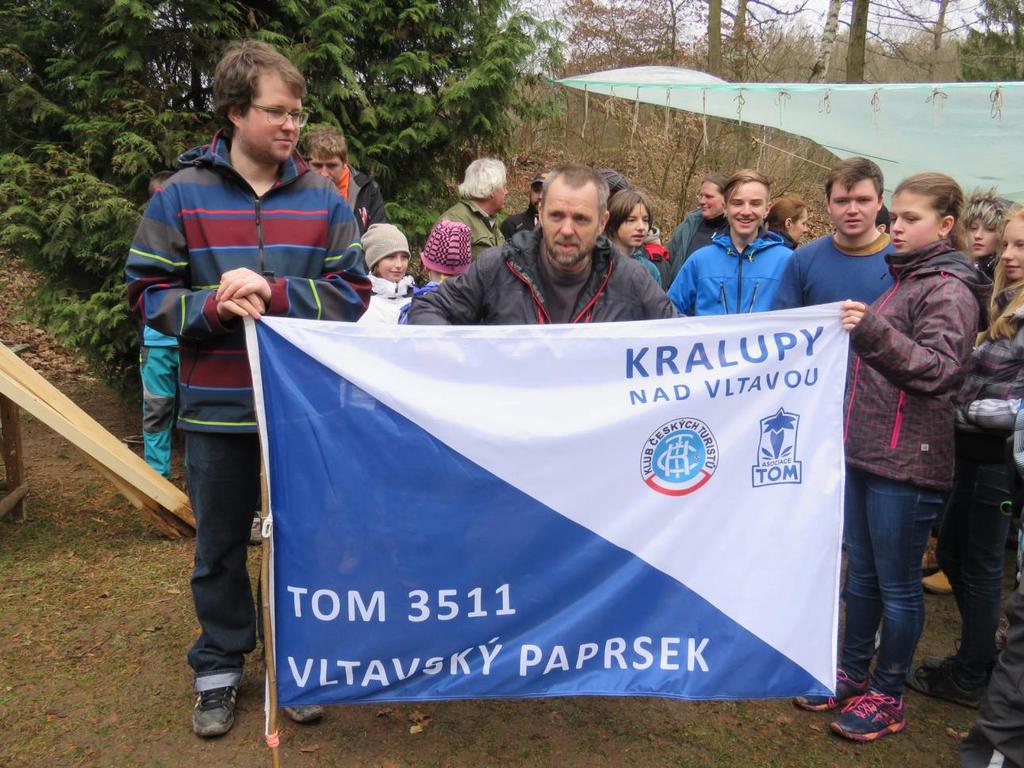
(779, 11)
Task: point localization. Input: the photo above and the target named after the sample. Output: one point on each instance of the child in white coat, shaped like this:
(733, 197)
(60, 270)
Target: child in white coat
(387, 257)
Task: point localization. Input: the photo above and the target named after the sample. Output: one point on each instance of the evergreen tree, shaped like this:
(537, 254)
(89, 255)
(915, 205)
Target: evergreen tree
(997, 53)
(98, 96)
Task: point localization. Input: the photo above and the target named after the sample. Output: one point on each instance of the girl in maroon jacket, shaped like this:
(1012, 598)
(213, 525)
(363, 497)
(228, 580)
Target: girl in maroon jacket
(910, 349)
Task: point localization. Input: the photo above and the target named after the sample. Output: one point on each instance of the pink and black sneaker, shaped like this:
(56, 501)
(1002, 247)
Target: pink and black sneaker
(871, 717)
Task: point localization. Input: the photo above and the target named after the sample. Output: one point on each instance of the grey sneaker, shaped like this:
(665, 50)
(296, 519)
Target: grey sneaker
(940, 684)
(214, 712)
(307, 714)
(938, 662)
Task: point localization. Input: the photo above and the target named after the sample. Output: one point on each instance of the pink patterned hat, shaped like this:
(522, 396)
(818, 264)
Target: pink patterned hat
(449, 248)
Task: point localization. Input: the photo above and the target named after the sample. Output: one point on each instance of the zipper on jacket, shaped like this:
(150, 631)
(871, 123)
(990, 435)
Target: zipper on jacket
(721, 298)
(856, 373)
(899, 420)
(259, 237)
(542, 314)
(889, 295)
(753, 297)
(739, 283)
(853, 397)
(597, 294)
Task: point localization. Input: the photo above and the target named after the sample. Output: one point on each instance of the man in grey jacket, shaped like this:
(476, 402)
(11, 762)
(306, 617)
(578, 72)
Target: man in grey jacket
(563, 272)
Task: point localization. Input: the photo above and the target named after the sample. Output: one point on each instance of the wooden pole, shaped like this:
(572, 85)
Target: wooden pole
(14, 463)
(273, 739)
(12, 501)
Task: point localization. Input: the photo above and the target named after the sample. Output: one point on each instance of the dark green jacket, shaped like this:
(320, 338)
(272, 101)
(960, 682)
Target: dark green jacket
(486, 233)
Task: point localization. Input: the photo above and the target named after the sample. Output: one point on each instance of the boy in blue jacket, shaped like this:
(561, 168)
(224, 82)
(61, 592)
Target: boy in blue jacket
(740, 270)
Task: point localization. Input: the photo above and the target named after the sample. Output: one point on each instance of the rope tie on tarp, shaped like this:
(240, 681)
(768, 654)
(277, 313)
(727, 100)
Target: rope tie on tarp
(740, 102)
(586, 111)
(668, 112)
(938, 100)
(781, 99)
(704, 117)
(636, 117)
(825, 103)
(876, 106)
(996, 100)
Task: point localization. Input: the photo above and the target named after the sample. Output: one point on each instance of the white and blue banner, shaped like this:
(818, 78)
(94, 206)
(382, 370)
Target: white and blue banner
(611, 509)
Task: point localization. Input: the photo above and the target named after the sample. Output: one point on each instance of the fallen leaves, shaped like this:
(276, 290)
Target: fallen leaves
(419, 721)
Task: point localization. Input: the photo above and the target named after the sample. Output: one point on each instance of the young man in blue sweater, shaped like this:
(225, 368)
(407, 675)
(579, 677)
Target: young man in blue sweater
(849, 264)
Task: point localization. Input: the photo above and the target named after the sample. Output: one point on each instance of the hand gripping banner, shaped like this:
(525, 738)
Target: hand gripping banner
(611, 509)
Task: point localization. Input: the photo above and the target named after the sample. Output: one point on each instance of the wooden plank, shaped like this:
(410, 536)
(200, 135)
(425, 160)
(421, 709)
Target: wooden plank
(123, 462)
(21, 372)
(169, 524)
(11, 451)
(13, 500)
(162, 490)
(28, 379)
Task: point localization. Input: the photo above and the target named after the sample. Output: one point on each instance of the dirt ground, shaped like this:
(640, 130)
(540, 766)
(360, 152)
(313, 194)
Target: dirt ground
(96, 618)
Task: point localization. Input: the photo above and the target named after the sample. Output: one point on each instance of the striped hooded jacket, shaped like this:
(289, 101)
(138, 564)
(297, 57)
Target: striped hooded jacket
(207, 220)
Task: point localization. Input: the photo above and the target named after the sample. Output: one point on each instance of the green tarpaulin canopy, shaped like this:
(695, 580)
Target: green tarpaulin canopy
(972, 131)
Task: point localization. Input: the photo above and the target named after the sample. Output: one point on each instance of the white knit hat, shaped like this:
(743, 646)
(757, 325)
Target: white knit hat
(382, 240)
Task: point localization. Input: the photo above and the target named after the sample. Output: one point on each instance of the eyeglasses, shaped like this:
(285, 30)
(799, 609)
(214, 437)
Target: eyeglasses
(278, 116)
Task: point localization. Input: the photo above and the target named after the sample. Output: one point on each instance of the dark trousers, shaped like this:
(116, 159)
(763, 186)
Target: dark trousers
(223, 472)
(887, 525)
(1000, 724)
(970, 551)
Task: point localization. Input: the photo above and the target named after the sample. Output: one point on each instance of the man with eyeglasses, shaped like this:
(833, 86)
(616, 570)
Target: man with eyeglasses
(244, 229)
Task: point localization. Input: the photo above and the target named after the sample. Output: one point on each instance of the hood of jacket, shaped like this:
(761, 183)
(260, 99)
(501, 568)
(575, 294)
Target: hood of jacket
(389, 288)
(941, 257)
(764, 240)
(653, 236)
(358, 181)
(787, 241)
(217, 154)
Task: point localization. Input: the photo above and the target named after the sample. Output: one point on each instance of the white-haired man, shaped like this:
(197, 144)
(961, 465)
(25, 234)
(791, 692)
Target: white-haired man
(483, 191)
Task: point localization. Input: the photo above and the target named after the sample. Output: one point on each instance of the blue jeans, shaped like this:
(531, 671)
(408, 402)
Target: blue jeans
(970, 551)
(887, 526)
(223, 475)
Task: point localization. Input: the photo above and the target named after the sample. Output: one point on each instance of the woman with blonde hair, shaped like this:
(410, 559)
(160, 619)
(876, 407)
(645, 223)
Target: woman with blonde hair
(973, 533)
(983, 217)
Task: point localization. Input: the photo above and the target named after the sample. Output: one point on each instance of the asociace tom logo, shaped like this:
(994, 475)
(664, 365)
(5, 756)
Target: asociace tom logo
(679, 457)
(776, 451)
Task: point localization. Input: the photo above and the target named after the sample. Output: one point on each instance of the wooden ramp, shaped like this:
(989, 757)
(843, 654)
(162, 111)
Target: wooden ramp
(163, 503)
